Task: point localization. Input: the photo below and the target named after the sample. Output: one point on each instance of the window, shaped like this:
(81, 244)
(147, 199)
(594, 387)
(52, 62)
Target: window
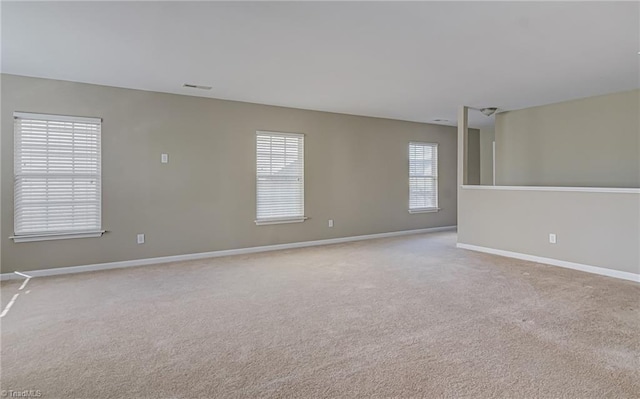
(423, 177)
(57, 178)
(279, 177)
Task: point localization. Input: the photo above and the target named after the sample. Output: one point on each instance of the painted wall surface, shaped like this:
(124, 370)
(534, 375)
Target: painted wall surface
(474, 156)
(204, 198)
(592, 142)
(487, 136)
(595, 229)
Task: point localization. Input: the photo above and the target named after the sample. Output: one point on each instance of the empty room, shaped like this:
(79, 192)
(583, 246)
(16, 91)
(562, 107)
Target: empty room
(320, 199)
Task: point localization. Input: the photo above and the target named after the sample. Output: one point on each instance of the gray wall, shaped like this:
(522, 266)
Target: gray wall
(204, 198)
(592, 142)
(487, 136)
(473, 160)
(595, 229)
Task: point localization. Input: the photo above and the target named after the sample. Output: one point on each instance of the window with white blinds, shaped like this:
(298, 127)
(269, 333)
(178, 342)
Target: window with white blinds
(57, 177)
(423, 177)
(279, 177)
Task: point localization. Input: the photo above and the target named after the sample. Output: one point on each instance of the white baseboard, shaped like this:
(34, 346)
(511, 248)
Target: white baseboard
(215, 254)
(555, 262)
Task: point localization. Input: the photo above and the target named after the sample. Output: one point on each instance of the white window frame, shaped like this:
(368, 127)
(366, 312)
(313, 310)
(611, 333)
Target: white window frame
(433, 176)
(297, 218)
(29, 235)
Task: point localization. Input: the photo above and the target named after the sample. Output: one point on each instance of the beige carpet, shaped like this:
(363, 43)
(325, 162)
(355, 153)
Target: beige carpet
(400, 317)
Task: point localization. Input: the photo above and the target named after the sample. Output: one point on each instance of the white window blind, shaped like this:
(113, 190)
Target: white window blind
(423, 176)
(280, 177)
(57, 176)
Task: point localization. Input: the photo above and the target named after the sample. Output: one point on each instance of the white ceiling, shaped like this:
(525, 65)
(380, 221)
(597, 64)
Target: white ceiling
(411, 61)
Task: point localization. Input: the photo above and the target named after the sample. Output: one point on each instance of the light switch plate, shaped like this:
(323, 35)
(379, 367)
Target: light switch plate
(164, 158)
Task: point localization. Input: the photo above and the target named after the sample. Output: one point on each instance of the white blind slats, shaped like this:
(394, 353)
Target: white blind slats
(279, 176)
(423, 176)
(57, 166)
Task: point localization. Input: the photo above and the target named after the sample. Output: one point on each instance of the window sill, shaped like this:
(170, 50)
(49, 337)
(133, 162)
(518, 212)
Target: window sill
(57, 236)
(424, 210)
(264, 222)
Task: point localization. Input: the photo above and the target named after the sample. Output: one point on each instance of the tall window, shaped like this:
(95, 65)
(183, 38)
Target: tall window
(423, 177)
(280, 177)
(57, 177)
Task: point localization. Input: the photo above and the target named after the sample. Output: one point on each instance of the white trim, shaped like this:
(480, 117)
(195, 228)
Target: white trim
(216, 254)
(57, 236)
(264, 222)
(62, 118)
(297, 217)
(554, 262)
(423, 210)
(271, 132)
(432, 176)
(424, 143)
(39, 225)
(542, 188)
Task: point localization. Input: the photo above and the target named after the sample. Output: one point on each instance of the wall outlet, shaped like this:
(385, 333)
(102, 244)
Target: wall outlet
(164, 158)
(330, 222)
(552, 238)
(140, 238)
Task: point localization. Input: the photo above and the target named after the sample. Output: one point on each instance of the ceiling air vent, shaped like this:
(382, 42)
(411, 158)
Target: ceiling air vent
(192, 86)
